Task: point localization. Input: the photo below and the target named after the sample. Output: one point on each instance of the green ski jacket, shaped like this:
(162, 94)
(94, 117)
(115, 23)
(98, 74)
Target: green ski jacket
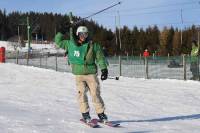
(83, 59)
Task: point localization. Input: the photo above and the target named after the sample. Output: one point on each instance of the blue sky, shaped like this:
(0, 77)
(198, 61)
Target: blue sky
(132, 12)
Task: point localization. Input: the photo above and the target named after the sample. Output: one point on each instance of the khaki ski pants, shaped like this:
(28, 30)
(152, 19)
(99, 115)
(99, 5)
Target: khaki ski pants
(89, 82)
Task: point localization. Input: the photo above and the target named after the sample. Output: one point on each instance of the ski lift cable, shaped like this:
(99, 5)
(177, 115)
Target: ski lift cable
(149, 13)
(162, 6)
(97, 13)
(152, 7)
(102, 10)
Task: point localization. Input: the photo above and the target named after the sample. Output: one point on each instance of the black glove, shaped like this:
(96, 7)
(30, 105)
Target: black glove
(104, 74)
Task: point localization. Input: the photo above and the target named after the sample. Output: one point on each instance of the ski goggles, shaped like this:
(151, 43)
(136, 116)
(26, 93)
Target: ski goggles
(83, 34)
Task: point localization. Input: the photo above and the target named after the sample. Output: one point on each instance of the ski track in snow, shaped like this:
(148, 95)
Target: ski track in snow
(34, 100)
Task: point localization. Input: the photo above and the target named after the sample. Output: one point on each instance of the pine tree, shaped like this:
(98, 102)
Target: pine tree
(176, 43)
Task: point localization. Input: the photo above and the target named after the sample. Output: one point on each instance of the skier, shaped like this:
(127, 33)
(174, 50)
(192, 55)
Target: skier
(146, 53)
(194, 61)
(84, 56)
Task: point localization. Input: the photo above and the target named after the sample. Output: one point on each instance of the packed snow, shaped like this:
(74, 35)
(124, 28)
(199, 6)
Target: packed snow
(35, 100)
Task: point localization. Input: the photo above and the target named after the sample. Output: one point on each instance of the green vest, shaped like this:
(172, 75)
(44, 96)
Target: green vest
(76, 54)
(82, 58)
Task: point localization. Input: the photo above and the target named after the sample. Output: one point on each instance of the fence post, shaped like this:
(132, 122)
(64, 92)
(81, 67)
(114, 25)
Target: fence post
(46, 60)
(181, 63)
(28, 36)
(41, 59)
(146, 67)
(184, 67)
(141, 59)
(17, 57)
(168, 58)
(56, 61)
(198, 68)
(153, 56)
(27, 58)
(120, 66)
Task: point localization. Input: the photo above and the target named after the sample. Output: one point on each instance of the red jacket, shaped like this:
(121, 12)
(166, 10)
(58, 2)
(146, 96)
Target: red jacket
(146, 54)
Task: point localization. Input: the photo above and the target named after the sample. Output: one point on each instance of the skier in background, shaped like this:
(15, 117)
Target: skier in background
(194, 66)
(146, 53)
(84, 56)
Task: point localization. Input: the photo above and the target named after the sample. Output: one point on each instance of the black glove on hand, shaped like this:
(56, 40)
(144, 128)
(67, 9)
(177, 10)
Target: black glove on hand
(104, 74)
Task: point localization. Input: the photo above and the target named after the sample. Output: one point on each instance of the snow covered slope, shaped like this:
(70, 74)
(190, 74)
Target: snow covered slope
(34, 100)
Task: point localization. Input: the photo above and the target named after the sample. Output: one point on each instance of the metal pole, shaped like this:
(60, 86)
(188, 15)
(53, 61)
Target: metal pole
(117, 27)
(198, 36)
(120, 42)
(41, 59)
(181, 27)
(120, 66)
(17, 56)
(198, 67)
(198, 55)
(120, 46)
(168, 58)
(184, 67)
(46, 60)
(71, 29)
(181, 37)
(36, 38)
(116, 33)
(18, 34)
(28, 35)
(56, 61)
(146, 68)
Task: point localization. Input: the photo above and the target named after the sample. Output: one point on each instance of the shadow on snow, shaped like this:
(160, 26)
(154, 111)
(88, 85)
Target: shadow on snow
(183, 117)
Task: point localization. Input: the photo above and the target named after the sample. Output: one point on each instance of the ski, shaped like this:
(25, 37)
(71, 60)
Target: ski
(109, 123)
(93, 123)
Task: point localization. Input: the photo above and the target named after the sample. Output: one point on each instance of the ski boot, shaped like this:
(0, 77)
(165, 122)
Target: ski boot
(86, 117)
(102, 117)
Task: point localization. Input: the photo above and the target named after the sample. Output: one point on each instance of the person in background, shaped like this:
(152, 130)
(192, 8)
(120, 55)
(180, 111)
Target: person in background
(146, 53)
(84, 56)
(194, 66)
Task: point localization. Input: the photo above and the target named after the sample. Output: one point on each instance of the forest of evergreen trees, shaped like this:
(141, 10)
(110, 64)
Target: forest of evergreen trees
(134, 41)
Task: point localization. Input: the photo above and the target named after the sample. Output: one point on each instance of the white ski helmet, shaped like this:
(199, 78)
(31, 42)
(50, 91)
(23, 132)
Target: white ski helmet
(82, 29)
